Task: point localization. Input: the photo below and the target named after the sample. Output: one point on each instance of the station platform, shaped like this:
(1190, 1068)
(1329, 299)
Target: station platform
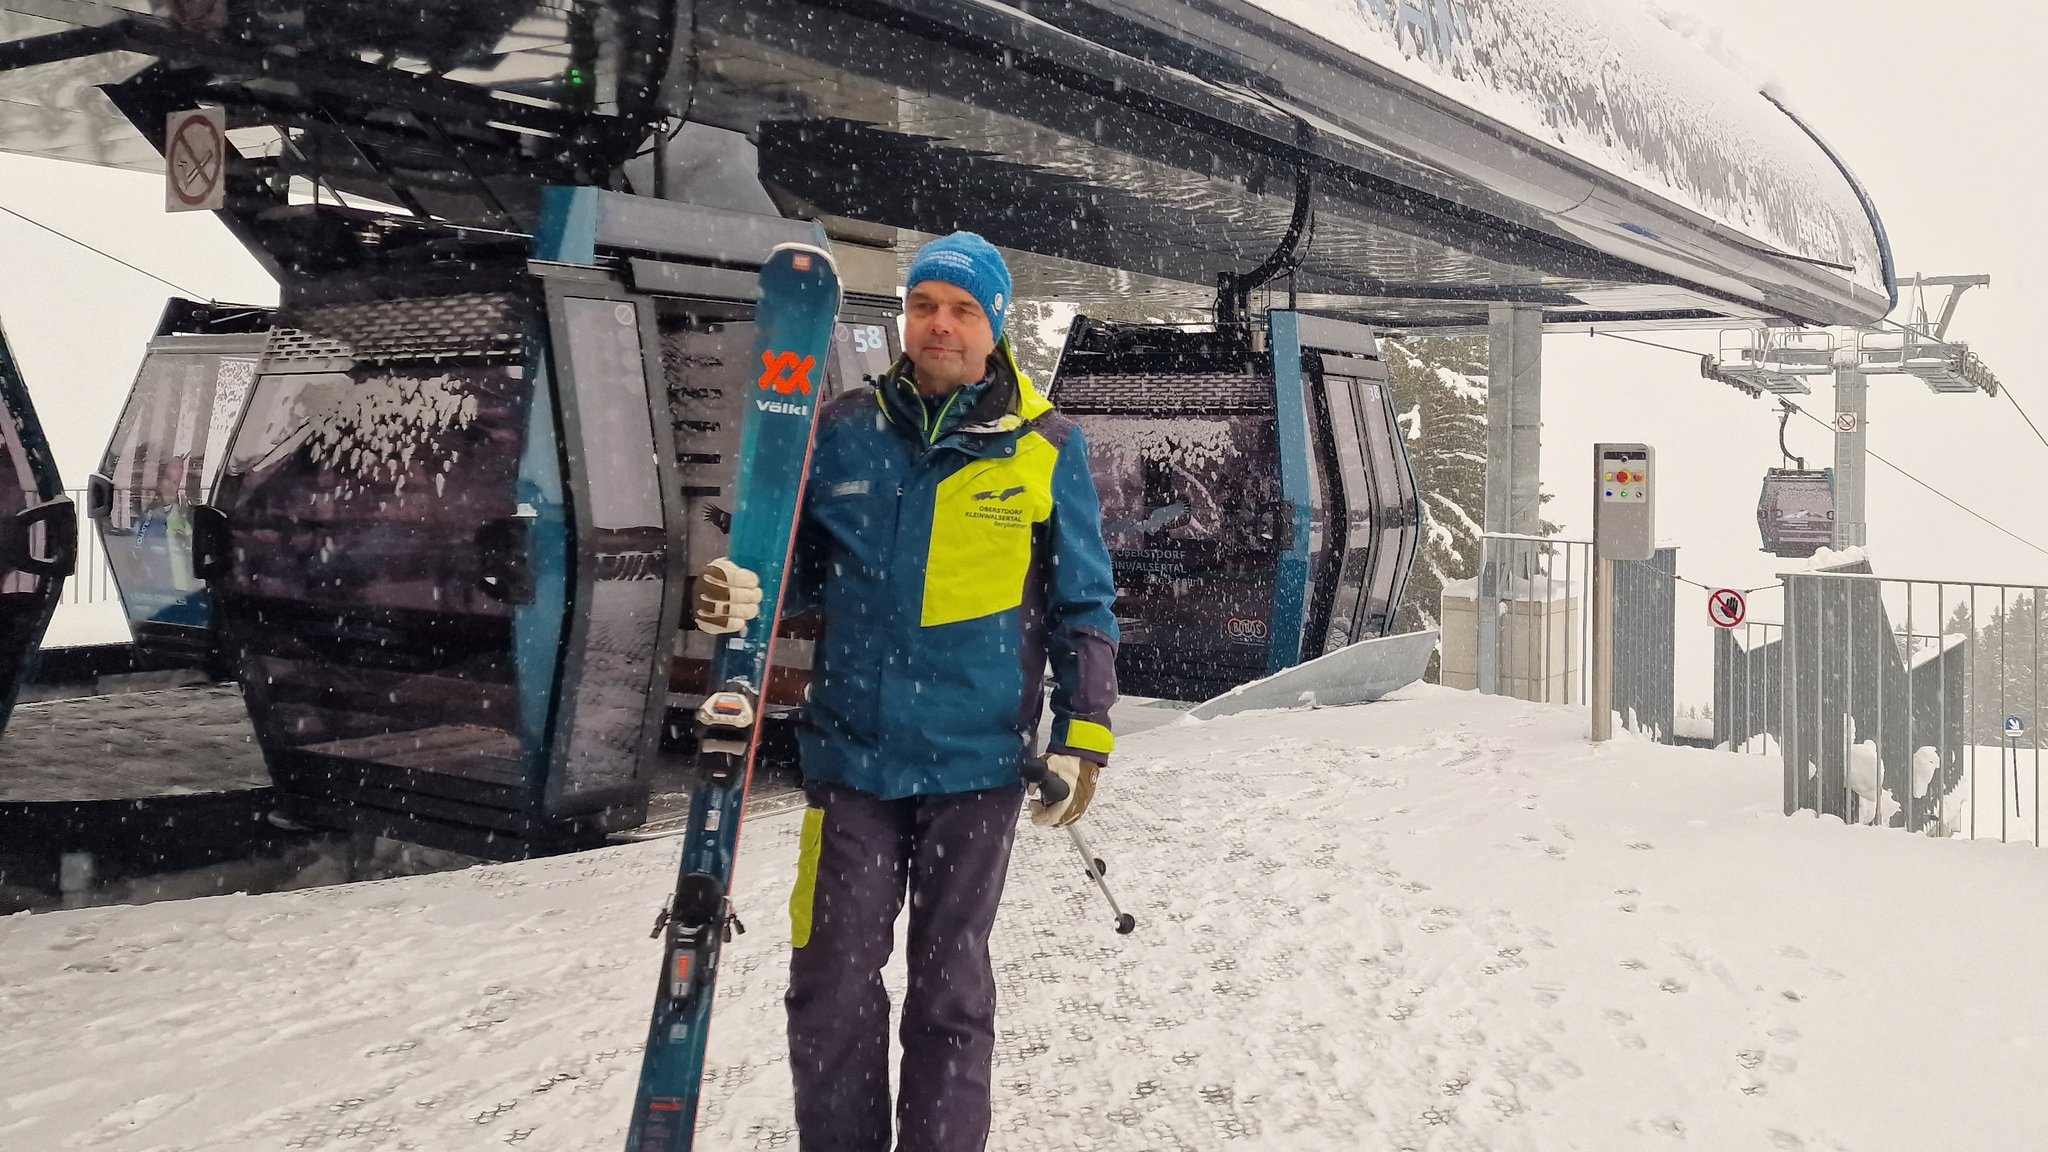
(152, 783)
(130, 746)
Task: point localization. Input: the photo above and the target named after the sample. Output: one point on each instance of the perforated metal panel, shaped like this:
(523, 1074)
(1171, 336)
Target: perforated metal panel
(293, 350)
(1165, 392)
(483, 325)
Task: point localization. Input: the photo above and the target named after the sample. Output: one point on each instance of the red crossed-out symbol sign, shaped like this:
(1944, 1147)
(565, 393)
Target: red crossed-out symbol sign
(195, 151)
(786, 372)
(1726, 607)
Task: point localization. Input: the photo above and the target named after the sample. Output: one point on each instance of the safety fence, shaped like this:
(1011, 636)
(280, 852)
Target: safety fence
(92, 581)
(1912, 704)
(1538, 591)
(1748, 704)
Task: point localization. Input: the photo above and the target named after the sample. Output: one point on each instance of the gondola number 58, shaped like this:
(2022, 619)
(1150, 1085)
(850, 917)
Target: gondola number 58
(869, 338)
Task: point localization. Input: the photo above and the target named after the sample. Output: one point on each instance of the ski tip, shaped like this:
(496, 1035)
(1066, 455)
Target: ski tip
(803, 257)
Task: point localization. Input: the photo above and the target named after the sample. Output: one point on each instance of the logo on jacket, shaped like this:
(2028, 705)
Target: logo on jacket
(1159, 519)
(1003, 496)
(786, 372)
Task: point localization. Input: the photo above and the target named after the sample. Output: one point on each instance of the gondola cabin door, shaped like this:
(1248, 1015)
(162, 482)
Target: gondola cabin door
(38, 532)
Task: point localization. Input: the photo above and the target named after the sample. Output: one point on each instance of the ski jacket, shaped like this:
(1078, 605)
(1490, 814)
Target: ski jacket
(951, 558)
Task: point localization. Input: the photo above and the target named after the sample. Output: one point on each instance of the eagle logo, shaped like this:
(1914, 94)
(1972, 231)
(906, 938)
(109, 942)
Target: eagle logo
(1004, 496)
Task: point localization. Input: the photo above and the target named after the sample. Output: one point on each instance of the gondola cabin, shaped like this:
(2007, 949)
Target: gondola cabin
(38, 532)
(1257, 495)
(1796, 512)
(436, 515)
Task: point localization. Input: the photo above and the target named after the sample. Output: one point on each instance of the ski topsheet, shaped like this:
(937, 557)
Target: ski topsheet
(799, 304)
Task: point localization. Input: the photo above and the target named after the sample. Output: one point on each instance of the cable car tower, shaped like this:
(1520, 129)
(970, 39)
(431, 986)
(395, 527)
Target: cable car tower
(1779, 359)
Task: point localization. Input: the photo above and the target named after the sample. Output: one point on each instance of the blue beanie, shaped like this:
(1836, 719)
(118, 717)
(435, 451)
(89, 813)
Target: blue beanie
(968, 262)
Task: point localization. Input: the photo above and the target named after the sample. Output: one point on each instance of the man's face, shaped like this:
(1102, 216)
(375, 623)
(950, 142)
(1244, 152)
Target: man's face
(946, 335)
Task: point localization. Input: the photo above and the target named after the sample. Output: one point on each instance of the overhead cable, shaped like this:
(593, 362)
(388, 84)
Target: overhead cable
(180, 289)
(1867, 450)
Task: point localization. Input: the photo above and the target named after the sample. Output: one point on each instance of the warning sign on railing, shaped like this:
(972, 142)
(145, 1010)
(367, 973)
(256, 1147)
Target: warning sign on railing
(1727, 607)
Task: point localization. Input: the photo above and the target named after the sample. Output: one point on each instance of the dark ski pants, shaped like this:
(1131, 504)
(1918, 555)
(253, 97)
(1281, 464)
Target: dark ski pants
(859, 854)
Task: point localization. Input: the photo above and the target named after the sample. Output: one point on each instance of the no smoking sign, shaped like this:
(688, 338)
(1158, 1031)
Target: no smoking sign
(195, 160)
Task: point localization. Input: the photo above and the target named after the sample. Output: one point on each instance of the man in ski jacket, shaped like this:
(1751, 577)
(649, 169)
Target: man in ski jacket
(952, 539)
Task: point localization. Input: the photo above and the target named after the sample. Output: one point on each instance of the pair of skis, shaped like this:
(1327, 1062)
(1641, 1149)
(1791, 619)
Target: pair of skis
(799, 305)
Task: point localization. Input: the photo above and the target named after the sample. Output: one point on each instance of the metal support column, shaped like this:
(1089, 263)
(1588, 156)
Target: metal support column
(1514, 421)
(1603, 648)
(1852, 427)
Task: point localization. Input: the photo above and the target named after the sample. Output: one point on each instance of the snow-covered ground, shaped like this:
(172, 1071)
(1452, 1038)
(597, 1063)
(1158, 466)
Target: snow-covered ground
(1441, 922)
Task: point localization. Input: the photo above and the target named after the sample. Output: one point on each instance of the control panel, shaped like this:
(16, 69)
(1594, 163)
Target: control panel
(1624, 501)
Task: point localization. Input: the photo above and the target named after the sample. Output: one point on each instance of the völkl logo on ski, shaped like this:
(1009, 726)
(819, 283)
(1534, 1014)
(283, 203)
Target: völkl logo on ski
(786, 372)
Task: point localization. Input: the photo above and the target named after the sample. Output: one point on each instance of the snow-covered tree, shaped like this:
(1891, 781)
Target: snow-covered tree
(1439, 387)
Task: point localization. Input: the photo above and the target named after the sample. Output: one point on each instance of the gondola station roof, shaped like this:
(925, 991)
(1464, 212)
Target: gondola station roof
(1573, 155)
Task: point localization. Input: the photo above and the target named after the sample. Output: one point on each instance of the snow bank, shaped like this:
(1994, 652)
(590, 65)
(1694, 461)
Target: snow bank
(1439, 922)
(1828, 560)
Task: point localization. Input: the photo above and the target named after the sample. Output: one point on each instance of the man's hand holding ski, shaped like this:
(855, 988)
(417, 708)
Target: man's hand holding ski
(724, 596)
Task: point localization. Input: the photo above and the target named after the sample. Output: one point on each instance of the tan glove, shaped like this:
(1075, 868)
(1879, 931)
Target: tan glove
(724, 597)
(1079, 776)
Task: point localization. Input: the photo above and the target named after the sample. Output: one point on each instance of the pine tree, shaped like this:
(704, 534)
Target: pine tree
(2003, 673)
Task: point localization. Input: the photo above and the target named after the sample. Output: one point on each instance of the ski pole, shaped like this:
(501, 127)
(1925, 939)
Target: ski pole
(1052, 790)
(1093, 865)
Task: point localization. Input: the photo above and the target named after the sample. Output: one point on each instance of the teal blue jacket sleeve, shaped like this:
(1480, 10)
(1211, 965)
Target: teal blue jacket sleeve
(1081, 629)
(804, 584)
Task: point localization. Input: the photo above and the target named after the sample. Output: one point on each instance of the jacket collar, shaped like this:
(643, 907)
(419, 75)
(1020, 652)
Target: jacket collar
(1009, 402)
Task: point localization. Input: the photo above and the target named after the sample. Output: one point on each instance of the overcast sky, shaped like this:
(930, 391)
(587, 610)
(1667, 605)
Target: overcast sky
(1935, 107)
(1923, 102)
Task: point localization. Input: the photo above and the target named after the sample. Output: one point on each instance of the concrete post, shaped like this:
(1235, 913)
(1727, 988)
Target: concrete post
(1852, 408)
(76, 876)
(1514, 420)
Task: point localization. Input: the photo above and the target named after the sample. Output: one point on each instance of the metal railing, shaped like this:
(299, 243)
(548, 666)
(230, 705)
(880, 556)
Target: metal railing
(1537, 589)
(92, 581)
(1913, 703)
(1748, 706)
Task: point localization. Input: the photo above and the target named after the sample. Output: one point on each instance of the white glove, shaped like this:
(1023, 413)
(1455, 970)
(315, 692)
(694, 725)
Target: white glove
(1079, 776)
(725, 596)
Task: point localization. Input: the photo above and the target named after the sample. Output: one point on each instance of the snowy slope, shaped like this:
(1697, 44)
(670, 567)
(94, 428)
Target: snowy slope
(1439, 922)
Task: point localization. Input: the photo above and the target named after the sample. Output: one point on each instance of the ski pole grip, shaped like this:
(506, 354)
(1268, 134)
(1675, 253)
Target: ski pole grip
(1051, 789)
